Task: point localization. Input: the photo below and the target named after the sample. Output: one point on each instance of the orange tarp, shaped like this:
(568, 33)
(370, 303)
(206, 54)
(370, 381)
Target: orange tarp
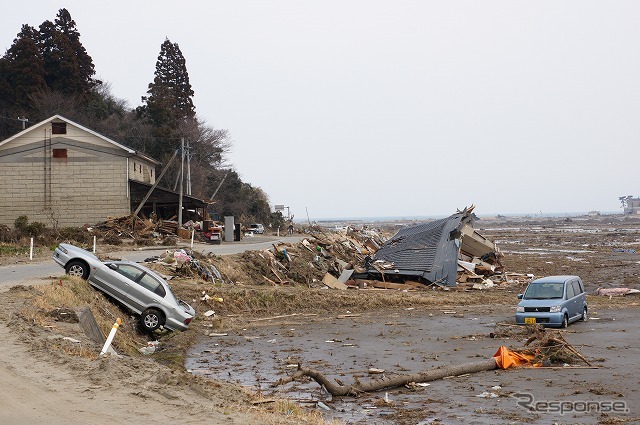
(506, 358)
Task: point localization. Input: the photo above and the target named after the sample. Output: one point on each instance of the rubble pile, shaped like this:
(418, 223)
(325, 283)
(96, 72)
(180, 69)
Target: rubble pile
(185, 263)
(144, 231)
(438, 254)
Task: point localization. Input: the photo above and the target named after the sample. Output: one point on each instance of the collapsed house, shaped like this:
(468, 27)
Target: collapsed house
(440, 252)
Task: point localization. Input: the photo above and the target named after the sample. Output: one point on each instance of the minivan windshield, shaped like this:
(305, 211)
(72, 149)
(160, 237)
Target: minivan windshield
(544, 291)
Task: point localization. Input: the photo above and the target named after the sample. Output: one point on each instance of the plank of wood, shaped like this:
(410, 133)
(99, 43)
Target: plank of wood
(385, 285)
(333, 283)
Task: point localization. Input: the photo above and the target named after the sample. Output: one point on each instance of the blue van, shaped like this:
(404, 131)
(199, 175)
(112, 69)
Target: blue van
(553, 301)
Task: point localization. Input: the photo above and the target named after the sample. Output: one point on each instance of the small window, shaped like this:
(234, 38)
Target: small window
(127, 271)
(134, 167)
(59, 153)
(570, 293)
(58, 128)
(577, 289)
(152, 285)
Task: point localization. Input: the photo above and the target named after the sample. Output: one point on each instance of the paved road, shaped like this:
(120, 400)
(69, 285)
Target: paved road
(43, 272)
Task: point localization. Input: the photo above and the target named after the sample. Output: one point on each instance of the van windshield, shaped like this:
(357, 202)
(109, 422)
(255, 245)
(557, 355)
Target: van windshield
(544, 291)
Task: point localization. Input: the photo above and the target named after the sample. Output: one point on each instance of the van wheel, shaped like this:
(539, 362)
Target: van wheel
(151, 319)
(565, 321)
(584, 315)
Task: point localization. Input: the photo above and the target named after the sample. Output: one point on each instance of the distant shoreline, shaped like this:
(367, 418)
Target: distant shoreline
(325, 220)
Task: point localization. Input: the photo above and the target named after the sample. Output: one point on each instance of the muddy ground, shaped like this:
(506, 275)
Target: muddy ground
(409, 341)
(397, 332)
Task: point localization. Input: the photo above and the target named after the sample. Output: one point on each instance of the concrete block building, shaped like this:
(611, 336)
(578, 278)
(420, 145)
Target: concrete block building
(61, 173)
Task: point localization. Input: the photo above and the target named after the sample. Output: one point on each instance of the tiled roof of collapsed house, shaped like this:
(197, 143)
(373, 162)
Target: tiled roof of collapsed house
(431, 250)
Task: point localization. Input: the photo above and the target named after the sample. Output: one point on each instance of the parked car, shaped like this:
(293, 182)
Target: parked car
(553, 301)
(256, 228)
(133, 285)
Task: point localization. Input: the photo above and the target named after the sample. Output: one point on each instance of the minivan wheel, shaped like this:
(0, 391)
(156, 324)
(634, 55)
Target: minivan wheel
(151, 319)
(584, 315)
(77, 268)
(565, 321)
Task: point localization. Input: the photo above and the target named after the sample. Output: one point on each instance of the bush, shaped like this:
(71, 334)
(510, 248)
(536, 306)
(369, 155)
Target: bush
(23, 227)
(76, 234)
(21, 223)
(8, 235)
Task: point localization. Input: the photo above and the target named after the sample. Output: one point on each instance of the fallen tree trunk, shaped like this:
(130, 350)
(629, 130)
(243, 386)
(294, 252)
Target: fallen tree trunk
(392, 381)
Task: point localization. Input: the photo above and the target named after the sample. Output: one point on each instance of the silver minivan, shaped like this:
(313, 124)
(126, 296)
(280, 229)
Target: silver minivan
(553, 301)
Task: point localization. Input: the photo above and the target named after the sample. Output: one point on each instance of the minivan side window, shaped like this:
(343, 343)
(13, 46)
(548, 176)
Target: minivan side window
(570, 293)
(577, 288)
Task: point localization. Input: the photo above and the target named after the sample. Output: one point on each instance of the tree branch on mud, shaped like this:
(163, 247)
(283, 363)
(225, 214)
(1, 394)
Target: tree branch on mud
(392, 381)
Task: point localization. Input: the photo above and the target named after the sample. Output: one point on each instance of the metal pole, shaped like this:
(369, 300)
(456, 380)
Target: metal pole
(188, 169)
(181, 187)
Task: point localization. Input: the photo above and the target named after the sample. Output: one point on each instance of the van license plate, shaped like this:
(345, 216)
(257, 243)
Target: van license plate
(529, 320)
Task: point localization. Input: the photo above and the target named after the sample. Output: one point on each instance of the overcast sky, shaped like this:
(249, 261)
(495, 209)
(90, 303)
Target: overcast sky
(395, 108)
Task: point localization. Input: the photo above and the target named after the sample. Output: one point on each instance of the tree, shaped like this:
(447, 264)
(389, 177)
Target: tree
(67, 26)
(169, 104)
(23, 69)
(68, 67)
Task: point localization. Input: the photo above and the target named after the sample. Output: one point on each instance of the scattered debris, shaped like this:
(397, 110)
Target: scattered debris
(64, 315)
(550, 348)
(150, 348)
(615, 292)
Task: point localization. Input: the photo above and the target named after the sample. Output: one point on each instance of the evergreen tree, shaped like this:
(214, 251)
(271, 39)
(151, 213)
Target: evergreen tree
(169, 105)
(67, 26)
(68, 67)
(23, 70)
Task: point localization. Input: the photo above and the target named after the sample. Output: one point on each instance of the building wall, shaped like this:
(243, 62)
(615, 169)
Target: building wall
(86, 187)
(142, 171)
(633, 206)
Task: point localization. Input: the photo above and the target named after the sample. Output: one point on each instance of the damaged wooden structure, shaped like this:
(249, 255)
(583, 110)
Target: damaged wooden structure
(440, 252)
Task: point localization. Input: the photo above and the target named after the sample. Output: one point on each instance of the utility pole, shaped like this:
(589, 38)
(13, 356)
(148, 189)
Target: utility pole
(188, 169)
(181, 186)
(24, 122)
(218, 188)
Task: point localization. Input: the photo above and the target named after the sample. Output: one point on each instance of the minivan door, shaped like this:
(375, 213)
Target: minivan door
(574, 306)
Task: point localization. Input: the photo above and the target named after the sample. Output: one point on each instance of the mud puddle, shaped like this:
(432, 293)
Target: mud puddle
(411, 341)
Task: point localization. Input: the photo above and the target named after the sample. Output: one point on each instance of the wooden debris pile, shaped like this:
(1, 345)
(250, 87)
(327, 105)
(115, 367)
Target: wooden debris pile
(550, 348)
(144, 231)
(317, 260)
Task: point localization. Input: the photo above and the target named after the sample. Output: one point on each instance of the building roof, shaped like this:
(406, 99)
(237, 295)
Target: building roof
(427, 250)
(61, 118)
(162, 196)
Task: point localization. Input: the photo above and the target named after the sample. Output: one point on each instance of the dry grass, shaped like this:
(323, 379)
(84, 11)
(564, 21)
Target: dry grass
(74, 293)
(274, 413)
